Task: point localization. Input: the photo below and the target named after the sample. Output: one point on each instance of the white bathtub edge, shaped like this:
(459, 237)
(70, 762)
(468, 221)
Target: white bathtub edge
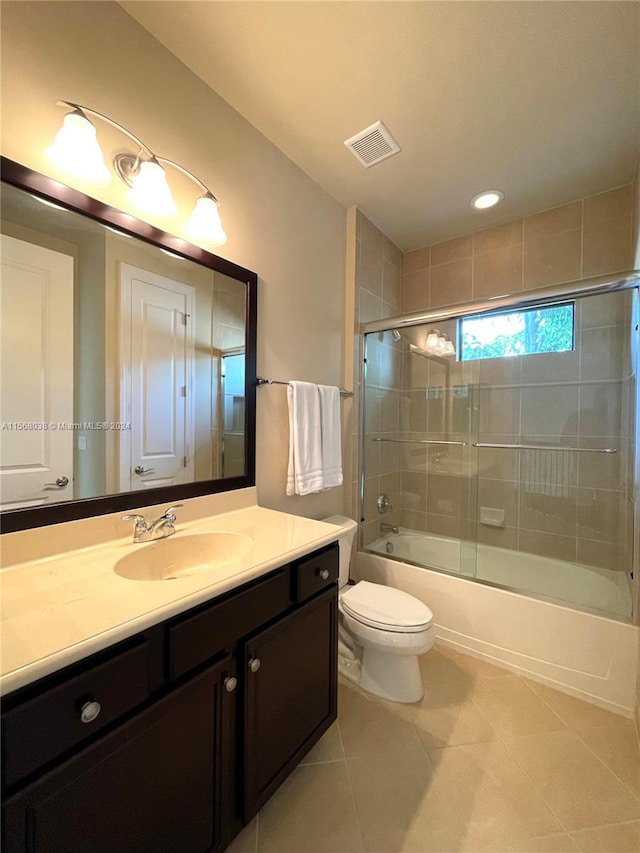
(590, 657)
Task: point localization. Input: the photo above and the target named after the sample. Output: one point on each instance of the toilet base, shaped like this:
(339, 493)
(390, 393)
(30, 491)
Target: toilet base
(393, 677)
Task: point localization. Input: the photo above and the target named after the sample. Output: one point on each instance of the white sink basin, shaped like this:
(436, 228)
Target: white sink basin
(183, 556)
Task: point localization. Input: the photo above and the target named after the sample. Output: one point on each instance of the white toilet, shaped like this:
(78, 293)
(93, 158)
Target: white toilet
(382, 631)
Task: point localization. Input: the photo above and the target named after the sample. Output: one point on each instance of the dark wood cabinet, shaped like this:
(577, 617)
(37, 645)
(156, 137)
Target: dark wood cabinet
(202, 717)
(155, 783)
(290, 695)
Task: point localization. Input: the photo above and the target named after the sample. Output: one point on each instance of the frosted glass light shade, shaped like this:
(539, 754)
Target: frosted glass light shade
(204, 223)
(150, 190)
(76, 150)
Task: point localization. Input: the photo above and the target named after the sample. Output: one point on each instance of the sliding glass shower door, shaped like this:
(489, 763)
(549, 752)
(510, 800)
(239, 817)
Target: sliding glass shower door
(503, 446)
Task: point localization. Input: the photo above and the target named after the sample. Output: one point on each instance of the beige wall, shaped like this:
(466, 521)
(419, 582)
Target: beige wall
(588, 237)
(279, 222)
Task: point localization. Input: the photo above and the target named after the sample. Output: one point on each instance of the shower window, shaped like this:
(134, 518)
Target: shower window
(525, 332)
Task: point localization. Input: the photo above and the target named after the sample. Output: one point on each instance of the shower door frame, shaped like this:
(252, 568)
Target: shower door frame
(596, 286)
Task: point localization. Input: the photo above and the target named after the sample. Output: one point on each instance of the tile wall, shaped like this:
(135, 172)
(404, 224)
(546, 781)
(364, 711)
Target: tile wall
(588, 237)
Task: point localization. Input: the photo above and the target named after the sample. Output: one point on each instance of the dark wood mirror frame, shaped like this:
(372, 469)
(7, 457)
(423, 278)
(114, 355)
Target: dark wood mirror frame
(47, 188)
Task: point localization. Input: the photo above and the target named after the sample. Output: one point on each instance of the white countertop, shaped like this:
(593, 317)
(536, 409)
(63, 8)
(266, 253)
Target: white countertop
(56, 611)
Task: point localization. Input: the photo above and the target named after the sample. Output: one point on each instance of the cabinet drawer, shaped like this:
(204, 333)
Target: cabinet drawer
(316, 572)
(52, 723)
(199, 637)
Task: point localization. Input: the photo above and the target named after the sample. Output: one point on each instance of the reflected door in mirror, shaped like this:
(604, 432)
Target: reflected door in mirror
(36, 331)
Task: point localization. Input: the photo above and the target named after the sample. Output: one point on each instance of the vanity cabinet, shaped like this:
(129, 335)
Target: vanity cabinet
(199, 720)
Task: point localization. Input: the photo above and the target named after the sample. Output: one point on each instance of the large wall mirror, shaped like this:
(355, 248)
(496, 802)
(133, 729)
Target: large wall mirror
(128, 362)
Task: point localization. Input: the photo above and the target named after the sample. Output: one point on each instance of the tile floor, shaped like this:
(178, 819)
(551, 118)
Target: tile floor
(488, 761)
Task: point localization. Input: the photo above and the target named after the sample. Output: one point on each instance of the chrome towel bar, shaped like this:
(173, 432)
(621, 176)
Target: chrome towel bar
(260, 381)
(544, 447)
(420, 441)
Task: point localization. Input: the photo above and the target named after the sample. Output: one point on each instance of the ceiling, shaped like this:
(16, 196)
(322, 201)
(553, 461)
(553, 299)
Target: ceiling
(538, 99)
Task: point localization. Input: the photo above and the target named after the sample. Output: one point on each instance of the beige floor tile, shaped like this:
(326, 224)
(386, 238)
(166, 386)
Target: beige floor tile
(513, 708)
(247, 840)
(473, 797)
(312, 811)
(578, 787)
(616, 743)
(576, 713)
(622, 838)
(328, 748)
(442, 664)
(560, 843)
(447, 717)
(370, 726)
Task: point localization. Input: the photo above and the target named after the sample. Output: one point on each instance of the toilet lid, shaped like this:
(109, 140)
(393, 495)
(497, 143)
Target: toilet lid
(385, 607)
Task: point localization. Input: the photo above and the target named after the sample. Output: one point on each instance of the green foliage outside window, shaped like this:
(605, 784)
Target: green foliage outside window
(525, 332)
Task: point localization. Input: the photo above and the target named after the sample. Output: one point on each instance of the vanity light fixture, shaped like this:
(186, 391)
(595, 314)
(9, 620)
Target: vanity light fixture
(436, 344)
(77, 152)
(487, 198)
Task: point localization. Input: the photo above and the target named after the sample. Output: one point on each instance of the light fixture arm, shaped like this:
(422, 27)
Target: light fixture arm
(189, 174)
(110, 121)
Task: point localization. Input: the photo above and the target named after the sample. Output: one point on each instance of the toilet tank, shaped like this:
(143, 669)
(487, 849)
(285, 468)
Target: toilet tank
(345, 541)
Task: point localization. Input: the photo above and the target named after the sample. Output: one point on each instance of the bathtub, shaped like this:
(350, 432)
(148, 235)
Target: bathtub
(577, 585)
(590, 656)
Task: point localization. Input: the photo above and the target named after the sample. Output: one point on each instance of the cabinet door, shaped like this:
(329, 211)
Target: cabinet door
(290, 695)
(156, 783)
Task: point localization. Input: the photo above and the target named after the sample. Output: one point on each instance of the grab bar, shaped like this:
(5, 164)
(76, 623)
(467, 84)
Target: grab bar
(544, 447)
(420, 441)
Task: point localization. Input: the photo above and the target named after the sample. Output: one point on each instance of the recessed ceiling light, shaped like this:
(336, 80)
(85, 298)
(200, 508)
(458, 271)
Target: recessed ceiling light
(487, 198)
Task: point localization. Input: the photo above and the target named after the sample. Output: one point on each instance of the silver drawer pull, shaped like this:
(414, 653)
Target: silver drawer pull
(324, 574)
(90, 711)
(230, 684)
(254, 664)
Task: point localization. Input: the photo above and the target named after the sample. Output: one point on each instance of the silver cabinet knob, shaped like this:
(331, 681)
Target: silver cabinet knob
(230, 684)
(254, 664)
(90, 711)
(324, 574)
(61, 482)
(140, 469)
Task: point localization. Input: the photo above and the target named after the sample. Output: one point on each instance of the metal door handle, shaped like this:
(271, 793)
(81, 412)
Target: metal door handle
(139, 469)
(61, 482)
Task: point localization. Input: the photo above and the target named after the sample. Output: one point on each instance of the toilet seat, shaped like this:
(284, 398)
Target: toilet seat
(385, 608)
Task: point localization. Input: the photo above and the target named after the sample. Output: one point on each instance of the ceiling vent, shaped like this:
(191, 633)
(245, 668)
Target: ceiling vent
(372, 144)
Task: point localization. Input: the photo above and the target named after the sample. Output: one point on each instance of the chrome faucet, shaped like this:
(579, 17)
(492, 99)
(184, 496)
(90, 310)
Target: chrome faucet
(159, 529)
(387, 528)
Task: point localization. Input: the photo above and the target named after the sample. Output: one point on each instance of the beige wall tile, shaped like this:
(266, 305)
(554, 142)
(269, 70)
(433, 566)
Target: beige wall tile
(600, 408)
(607, 246)
(551, 367)
(499, 494)
(452, 250)
(608, 309)
(549, 410)
(413, 489)
(496, 463)
(413, 520)
(445, 525)
(451, 282)
(604, 555)
(445, 495)
(391, 253)
(564, 218)
(368, 306)
(499, 411)
(498, 237)
(548, 513)
(613, 203)
(497, 537)
(601, 470)
(416, 290)
(497, 272)
(551, 259)
(547, 545)
(419, 259)
(392, 285)
(598, 515)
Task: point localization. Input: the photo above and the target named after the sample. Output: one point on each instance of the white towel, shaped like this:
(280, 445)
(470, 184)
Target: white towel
(331, 436)
(304, 474)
